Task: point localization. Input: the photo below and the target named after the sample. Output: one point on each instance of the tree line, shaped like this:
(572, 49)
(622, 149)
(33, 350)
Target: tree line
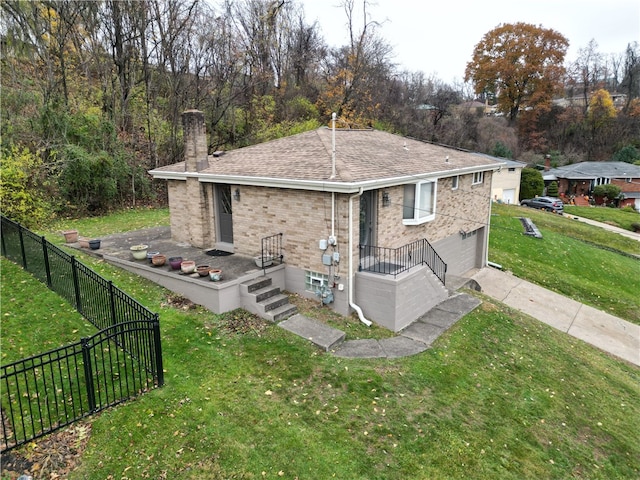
(93, 92)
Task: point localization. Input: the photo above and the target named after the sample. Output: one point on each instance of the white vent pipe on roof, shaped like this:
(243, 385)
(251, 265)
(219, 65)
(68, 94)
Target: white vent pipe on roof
(332, 238)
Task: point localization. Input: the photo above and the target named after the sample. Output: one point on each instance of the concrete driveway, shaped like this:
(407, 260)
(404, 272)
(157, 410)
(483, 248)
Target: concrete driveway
(600, 329)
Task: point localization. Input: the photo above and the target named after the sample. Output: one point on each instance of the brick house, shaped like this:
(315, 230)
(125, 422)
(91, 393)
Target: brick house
(354, 207)
(580, 179)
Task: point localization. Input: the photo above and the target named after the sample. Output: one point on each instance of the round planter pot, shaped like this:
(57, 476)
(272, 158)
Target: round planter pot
(215, 275)
(267, 260)
(203, 270)
(139, 252)
(158, 260)
(150, 255)
(188, 266)
(94, 244)
(83, 242)
(175, 262)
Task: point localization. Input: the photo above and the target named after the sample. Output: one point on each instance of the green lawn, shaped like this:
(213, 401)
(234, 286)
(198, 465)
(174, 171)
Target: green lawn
(499, 395)
(572, 258)
(614, 216)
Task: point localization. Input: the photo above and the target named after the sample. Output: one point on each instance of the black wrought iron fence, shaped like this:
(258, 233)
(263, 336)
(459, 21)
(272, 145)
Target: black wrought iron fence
(393, 261)
(48, 391)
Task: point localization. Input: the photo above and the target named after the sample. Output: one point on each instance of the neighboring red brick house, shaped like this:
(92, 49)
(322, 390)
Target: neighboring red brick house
(353, 207)
(580, 179)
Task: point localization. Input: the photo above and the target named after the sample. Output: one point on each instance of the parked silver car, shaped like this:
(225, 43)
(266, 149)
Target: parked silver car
(550, 204)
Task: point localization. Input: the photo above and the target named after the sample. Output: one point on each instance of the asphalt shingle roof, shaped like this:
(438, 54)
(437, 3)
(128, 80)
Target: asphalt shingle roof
(361, 156)
(591, 170)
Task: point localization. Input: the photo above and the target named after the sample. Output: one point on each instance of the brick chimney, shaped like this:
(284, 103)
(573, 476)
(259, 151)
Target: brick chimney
(547, 163)
(195, 140)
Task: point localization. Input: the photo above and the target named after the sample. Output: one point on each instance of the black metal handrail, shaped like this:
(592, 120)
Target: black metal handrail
(393, 261)
(125, 324)
(271, 250)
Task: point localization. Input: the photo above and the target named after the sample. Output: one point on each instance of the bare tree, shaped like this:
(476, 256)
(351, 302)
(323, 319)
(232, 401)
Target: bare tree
(587, 72)
(631, 80)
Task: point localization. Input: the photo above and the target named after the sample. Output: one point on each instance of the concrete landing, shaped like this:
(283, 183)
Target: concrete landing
(316, 332)
(437, 320)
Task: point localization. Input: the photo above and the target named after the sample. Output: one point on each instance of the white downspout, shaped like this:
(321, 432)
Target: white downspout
(351, 277)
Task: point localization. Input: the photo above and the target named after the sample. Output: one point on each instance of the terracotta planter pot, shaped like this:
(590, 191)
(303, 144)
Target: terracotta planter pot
(158, 260)
(70, 236)
(215, 275)
(83, 242)
(203, 270)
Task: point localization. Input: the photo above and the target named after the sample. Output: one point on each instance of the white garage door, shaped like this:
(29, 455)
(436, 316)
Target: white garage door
(509, 196)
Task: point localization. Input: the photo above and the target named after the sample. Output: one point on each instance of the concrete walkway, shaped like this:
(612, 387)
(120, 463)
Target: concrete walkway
(416, 338)
(600, 329)
(606, 226)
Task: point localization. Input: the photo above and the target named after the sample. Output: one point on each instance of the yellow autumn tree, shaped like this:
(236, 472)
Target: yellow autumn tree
(601, 109)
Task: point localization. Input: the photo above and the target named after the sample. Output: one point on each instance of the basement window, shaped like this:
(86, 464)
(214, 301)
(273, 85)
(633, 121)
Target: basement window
(419, 205)
(314, 280)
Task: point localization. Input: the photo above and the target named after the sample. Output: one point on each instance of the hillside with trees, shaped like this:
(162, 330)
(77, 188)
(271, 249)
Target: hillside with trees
(93, 92)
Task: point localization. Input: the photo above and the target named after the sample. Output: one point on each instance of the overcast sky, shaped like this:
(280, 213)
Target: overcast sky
(438, 38)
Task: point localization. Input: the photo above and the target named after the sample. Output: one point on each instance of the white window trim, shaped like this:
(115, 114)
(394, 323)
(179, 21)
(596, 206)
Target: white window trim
(480, 180)
(455, 182)
(417, 220)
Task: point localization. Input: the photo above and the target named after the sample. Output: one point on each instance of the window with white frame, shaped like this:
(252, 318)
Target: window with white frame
(454, 182)
(419, 203)
(602, 181)
(478, 178)
(314, 280)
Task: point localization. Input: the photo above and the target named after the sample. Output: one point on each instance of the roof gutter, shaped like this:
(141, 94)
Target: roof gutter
(319, 185)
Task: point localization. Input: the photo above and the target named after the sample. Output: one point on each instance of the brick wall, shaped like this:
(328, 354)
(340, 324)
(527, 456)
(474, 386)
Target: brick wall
(191, 206)
(302, 217)
(466, 208)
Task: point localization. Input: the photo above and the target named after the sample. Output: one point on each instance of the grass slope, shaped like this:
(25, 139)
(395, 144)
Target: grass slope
(499, 395)
(614, 216)
(577, 260)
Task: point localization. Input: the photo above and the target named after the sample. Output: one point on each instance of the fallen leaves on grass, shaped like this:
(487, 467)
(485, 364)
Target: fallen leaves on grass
(242, 321)
(53, 456)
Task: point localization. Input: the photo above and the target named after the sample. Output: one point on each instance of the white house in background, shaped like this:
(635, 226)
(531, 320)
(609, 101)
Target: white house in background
(506, 182)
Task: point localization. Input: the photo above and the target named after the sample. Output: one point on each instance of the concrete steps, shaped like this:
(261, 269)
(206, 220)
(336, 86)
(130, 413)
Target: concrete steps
(264, 299)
